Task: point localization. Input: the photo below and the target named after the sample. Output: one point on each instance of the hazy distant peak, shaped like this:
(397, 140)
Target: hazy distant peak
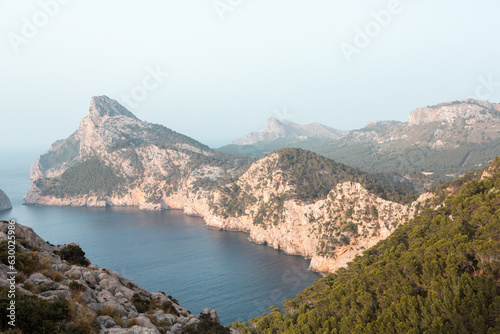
(449, 112)
(381, 124)
(282, 128)
(101, 106)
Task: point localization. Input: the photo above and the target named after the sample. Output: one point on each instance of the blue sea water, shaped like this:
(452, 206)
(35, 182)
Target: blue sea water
(164, 251)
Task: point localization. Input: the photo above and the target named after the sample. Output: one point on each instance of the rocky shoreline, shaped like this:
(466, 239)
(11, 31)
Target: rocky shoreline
(104, 297)
(296, 235)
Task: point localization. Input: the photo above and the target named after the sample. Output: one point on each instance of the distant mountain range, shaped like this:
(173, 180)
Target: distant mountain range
(282, 128)
(444, 141)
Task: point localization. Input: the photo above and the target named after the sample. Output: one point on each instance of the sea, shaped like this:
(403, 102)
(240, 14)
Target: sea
(164, 251)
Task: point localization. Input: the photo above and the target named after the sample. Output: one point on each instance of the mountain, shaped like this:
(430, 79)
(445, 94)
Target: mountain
(4, 201)
(116, 159)
(436, 274)
(59, 291)
(442, 141)
(292, 199)
(281, 128)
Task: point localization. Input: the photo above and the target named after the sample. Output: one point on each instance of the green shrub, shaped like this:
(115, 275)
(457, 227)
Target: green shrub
(76, 286)
(206, 326)
(168, 307)
(33, 314)
(25, 262)
(74, 255)
(142, 305)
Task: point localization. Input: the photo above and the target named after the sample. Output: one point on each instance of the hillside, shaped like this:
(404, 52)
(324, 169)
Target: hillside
(58, 290)
(437, 274)
(281, 128)
(448, 140)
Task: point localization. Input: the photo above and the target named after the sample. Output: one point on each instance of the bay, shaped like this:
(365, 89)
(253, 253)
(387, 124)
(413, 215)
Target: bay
(164, 251)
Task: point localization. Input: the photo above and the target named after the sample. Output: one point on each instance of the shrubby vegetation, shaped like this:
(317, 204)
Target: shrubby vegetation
(370, 158)
(91, 176)
(74, 255)
(314, 176)
(66, 153)
(35, 315)
(439, 273)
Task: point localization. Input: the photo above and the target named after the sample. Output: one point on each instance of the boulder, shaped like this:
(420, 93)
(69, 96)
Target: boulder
(106, 321)
(143, 321)
(212, 315)
(176, 329)
(5, 203)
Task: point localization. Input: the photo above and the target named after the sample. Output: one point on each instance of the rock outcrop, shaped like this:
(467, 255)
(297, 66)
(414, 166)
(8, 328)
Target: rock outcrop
(281, 128)
(103, 297)
(473, 111)
(4, 201)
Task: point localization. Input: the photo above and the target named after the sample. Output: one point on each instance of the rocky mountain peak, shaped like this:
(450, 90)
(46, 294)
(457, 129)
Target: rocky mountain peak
(101, 106)
(452, 111)
(281, 128)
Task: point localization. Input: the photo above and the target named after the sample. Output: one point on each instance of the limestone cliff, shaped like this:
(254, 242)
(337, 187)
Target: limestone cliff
(4, 201)
(331, 231)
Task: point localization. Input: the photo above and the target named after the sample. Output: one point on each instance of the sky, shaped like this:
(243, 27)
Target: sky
(215, 70)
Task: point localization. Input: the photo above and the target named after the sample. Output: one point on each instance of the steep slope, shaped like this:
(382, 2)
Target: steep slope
(281, 128)
(437, 274)
(447, 140)
(59, 291)
(4, 201)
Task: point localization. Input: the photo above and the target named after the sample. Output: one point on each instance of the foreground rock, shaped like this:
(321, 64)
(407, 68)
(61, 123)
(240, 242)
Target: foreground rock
(4, 201)
(98, 300)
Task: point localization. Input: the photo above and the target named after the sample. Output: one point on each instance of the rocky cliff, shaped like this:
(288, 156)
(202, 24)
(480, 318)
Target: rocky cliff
(445, 125)
(331, 229)
(85, 298)
(292, 200)
(281, 128)
(4, 201)
(473, 111)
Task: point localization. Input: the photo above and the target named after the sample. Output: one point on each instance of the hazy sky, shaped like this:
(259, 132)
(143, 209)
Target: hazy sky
(234, 63)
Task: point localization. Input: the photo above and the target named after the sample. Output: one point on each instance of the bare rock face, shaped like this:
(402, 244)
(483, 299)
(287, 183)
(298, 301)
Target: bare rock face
(4, 201)
(101, 106)
(281, 128)
(470, 109)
